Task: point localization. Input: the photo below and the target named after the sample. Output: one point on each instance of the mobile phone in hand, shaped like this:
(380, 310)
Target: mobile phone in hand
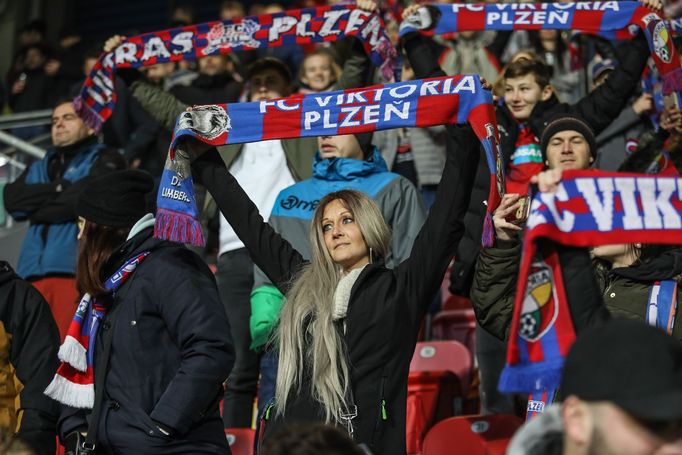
(520, 215)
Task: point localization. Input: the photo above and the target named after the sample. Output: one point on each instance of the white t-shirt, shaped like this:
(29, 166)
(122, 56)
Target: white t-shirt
(261, 170)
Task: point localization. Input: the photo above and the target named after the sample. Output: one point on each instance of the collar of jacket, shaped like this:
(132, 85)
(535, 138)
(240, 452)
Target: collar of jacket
(143, 241)
(74, 149)
(666, 266)
(348, 168)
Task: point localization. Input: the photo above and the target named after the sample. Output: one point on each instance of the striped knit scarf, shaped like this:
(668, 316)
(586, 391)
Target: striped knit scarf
(74, 382)
(610, 19)
(296, 27)
(419, 103)
(589, 208)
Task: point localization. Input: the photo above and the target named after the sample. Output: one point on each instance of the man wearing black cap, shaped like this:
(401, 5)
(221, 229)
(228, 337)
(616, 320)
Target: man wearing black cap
(162, 349)
(622, 390)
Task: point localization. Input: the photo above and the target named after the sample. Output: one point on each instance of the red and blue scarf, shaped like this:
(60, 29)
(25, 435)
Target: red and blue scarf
(296, 27)
(74, 382)
(610, 19)
(589, 208)
(419, 103)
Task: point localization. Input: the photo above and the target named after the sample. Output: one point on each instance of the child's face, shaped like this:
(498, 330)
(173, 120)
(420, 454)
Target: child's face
(318, 73)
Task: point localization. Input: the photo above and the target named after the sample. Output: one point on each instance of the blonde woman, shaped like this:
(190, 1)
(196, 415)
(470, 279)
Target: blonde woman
(349, 325)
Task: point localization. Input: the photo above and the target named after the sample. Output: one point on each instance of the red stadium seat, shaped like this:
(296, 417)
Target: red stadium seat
(471, 435)
(240, 440)
(440, 373)
(458, 325)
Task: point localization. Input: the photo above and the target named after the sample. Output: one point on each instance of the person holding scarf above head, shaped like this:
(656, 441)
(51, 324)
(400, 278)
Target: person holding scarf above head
(349, 325)
(149, 347)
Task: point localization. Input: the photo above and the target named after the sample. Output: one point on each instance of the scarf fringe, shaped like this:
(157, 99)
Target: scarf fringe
(73, 353)
(536, 377)
(488, 238)
(80, 396)
(178, 227)
(89, 116)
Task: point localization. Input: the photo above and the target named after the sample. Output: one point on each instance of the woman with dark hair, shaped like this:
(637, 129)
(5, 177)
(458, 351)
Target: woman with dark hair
(627, 274)
(149, 348)
(349, 325)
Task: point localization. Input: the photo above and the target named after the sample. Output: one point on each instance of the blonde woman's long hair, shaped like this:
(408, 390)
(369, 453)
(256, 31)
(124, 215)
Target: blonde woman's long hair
(308, 340)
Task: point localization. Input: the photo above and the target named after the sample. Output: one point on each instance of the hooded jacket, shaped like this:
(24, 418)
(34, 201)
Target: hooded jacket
(29, 341)
(170, 352)
(385, 307)
(396, 197)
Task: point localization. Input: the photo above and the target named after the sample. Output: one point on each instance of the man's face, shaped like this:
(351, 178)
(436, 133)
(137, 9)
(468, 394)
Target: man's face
(34, 59)
(67, 127)
(344, 146)
(157, 73)
(522, 93)
(568, 150)
(214, 64)
(611, 431)
(268, 84)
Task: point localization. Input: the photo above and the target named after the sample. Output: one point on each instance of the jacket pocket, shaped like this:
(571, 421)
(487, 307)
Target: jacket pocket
(382, 416)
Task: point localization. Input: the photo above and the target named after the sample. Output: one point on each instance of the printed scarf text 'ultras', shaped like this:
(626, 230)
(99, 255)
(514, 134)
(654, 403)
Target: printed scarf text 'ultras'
(612, 20)
(420, 103)
(74, 382)
(588, 209)
(310, 25)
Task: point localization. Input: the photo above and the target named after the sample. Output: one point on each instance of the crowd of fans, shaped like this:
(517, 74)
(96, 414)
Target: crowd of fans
(356, 232)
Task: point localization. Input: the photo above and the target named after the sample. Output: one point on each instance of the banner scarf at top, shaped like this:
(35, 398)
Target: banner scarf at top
(310, 25)
(420, 103)
(589, 208)
(611, 19)
(74, 382)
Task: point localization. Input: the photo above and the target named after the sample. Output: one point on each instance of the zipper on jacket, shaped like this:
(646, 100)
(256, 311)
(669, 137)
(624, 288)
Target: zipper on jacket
(383, 413)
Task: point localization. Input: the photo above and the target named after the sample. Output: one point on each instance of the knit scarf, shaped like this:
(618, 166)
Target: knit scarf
(589, 208)
(420, 103)
(296, 27)
(74, 382)
(610, 19)
(525, 162)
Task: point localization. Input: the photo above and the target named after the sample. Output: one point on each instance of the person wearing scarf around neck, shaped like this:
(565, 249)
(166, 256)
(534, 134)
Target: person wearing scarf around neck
(349, 325)
(143, 369)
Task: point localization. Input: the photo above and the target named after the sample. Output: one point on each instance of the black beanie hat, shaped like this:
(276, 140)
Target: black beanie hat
(365, 141)
(563, 121)
(115, 199)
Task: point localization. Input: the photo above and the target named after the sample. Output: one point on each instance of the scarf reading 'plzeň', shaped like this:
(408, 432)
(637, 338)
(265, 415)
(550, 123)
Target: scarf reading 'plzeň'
(589, 208)
(420, 103)
(309, 25)
(611, 19)
(74, 382)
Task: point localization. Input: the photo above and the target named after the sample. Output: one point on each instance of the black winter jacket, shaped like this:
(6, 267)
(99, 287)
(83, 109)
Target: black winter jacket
(385, 307)
(170, 353)
(29, 341)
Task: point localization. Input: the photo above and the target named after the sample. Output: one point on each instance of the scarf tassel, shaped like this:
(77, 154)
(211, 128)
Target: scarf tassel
(178, 227)
(89, 116)
(80, 396)
(488, 231)
(538, 377)
(73, 353)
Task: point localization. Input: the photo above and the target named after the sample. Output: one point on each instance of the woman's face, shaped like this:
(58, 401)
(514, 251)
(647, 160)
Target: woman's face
(342, 236)
(318, 73)
(618, 253)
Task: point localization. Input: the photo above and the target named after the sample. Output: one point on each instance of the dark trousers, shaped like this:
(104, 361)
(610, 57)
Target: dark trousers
(491, 354)
(235, 281)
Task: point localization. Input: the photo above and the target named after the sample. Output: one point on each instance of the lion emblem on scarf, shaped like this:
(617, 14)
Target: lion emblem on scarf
(540, 306)
(206, 121)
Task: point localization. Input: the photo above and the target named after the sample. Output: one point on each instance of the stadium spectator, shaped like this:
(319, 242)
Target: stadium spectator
(622, 394)
(162, 345)
(45, 195)
(29, 341)
(319, 71)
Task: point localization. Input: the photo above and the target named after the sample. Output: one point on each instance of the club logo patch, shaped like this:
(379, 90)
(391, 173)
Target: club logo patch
(223, 36)
(540, 307)
(208, 121)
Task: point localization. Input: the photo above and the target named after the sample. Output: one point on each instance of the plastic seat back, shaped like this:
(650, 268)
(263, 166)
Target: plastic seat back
(240, 440)
(471, 435)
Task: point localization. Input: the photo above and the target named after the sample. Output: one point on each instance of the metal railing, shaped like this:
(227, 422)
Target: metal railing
(21, 120)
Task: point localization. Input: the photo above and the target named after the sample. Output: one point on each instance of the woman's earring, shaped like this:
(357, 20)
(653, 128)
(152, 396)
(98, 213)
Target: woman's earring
(371, 259)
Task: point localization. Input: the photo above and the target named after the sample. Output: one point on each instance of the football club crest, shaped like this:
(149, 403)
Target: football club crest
(207, 121)
(223, 36)
(540, 305)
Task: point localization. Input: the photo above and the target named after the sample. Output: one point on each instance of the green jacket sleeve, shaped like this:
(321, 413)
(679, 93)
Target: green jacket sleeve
(494, 287)
(356, 68)
(161, 105)
(266, 303)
